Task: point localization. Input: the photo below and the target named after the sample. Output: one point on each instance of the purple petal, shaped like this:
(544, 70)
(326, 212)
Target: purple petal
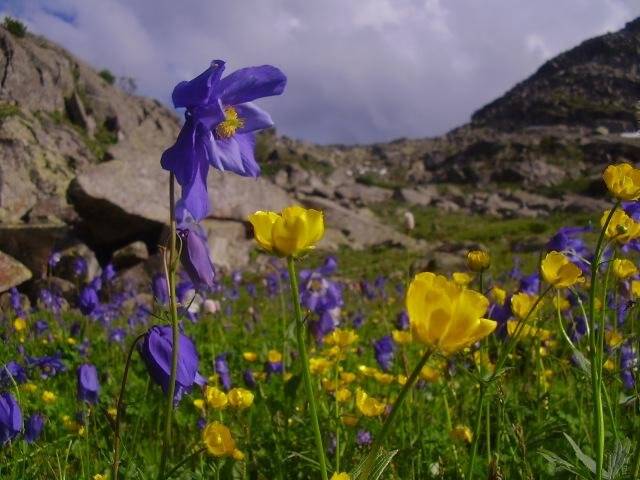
(234, 154)
(194, 193)
(179, 157)
(198, 91)
(253, 118)
(248, 84)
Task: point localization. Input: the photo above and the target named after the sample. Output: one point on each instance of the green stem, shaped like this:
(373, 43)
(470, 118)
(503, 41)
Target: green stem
(636, 463)
(377, 444)
(119, 410)
(447, 411)
(304, 359)
(171, 280)
(596, 380)
(476, 431)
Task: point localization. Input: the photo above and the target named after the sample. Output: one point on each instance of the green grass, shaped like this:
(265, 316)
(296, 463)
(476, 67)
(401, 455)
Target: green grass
(15, 27)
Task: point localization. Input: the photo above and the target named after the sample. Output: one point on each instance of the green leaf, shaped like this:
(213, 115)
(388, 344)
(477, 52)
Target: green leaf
(380, 464)
(619, 459)
(585, 459)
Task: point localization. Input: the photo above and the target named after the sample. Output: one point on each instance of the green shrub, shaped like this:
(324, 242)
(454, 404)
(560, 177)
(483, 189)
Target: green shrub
(15, 27)
(107, 76)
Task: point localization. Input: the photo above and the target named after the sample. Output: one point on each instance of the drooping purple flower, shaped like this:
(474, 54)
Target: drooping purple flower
(12, 372)
(358, 320)
(108, 273)
(501, 314)
(236, 277)
(628, 363)
(160, 288)
(364, 438)
(274, 367)
(317, 292)
(16, 301)
(249, 379)
(195, 249)
(569, 241)
(88, 300)
(33, 427)
(219, 124)
(402, 321)
(156, 350)
(221, 367)
(54, 259)
(41, 326)
(384, 350)
(88, 384)
(272, 283)
(10, 417)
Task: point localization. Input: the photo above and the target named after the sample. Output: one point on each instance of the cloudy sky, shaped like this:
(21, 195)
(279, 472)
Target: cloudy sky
(359, 70)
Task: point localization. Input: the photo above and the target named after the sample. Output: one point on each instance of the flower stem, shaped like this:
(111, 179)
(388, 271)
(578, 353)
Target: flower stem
(596, 377)
(171, 276)
(476, 431)
(119, 410)
(386, 427)
(302, 347)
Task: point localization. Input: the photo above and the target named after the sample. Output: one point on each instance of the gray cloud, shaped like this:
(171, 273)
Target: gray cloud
(359, 70)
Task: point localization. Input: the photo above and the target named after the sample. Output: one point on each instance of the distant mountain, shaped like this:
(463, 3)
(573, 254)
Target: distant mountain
(594, 84)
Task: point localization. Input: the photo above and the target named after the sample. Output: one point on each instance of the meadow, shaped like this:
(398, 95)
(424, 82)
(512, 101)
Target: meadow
(347, 366)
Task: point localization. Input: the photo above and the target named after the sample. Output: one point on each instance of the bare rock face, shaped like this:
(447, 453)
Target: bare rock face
(12, 272)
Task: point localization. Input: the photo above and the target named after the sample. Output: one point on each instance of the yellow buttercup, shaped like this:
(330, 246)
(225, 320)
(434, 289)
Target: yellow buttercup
(623, 181)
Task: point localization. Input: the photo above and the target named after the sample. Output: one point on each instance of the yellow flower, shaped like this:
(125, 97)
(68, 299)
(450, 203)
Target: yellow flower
(349, 420)
(478, 260)
(462, 278)
(217, 438)
(341, 337)
(112, 412)
(19, 324)
(368, 406)
(635, 288)
(216, 398)
(622, 227)
(240, 398)
(384, 378)
(238, 455)
(609, 365)
(499, 294)
(481, 357)
(561, 303)
(29, 387)
(527, 331)
(347, 377)
(274, 356)
(250, 356)
(99, 476)
(48, 397)
(402, 379)
(462, 432)
(614, 339)
(71, 341)
(559, 271)
(401, 336)
(199, 404)
(290, 233)
(444, 315)
(522, 303)
(319, 365)
(343, 395)
(429, 374)
(623, 181)
(366, 371)
(340, 476)
(623, 268)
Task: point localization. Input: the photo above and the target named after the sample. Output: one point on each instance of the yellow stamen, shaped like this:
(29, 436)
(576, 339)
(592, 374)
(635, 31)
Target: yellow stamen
(231, 123)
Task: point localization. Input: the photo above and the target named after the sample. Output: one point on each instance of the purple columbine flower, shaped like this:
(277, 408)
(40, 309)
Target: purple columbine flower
(117, 335)
(358, 320)
(16, 301)
(10, 417)
(79, 267)
(51, 300)
(156, 351)
(54, 259)
(33, 427)
(384, 350)
(530, 284)
(569, 241)
(218, 130)
(221, 367)
(88, 300)
(41, 326)
(49, 365)
(12, 372)
(88, 384)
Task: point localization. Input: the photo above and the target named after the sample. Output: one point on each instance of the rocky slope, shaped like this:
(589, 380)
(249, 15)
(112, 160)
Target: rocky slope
(79, 160)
